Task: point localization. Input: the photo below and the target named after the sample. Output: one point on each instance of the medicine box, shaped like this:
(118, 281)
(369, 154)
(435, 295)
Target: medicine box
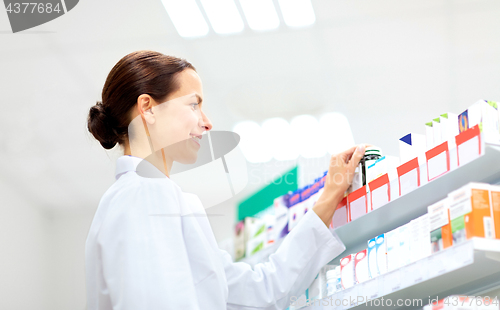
(470, 145)
(306, 204)
(495, 208)
(281, 205)
(340, 216)
(347, 271)
(372, 258)
(295, 209)
(437, 161)
(381, 247)
(357, 203)
(439, 225)
(380, 191)
(361, 266)
(411, 146)
(404, 245)
(393, 253)
(470, 212)
(408, 176)
(255, 235)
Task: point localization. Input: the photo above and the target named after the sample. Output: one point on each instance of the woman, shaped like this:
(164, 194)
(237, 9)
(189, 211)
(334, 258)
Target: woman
(148, 247)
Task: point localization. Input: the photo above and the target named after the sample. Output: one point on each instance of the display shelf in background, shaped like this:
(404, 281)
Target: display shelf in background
(403, 209)
(470, 268)
(262, 255)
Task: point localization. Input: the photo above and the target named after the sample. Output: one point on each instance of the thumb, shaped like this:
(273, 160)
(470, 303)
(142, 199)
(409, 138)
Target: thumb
(356, 156)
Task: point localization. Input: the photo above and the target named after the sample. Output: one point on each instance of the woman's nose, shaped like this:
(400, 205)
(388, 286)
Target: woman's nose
(206, 123)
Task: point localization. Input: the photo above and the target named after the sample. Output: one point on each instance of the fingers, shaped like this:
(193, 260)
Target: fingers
(357, 155)
(346, 155)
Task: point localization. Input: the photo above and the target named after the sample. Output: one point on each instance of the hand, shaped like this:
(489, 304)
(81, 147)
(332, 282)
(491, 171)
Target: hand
(338, 179)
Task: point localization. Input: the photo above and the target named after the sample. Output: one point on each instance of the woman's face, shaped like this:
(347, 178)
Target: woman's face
(179, 121)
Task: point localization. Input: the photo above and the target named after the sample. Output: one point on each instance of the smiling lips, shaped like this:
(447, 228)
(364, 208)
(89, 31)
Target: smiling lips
(196, 138)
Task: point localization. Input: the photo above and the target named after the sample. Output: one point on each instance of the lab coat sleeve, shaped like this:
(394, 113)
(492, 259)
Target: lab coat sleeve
(289, 271)
(144, 258)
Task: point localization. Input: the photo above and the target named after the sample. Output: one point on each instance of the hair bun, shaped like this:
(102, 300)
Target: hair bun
(100, 126)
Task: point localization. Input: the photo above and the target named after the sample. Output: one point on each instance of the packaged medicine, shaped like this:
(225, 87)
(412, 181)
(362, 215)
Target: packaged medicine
(393, 257)
(439, 225)
(470, 212)
(404, 245)
(281, 206)
(381, 247)
(294, 211)
(340, 217)
(331, 281)
(495, 208)
(372, 258)
(347, 271)
(361, 266)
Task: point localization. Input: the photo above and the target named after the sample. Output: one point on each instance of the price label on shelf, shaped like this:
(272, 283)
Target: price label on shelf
(392, 281)
(412, 274)
(350, 297)
(436, 263)
(463, 254)
(371, 289)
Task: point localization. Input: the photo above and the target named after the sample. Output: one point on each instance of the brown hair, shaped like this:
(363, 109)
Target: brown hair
(141, 72)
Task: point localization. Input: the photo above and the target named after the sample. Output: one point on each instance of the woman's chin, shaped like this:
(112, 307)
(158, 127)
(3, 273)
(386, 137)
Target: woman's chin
(189, 159)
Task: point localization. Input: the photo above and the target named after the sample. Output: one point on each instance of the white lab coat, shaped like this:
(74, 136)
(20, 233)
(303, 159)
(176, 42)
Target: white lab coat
(150, 246)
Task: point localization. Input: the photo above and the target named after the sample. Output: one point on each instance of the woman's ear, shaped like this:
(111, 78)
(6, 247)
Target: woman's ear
(145, 105)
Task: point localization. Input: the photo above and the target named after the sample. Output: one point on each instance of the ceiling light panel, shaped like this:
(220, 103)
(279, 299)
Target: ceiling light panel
(187, 17)
(260, 14)
(223, 15)
(297, 13)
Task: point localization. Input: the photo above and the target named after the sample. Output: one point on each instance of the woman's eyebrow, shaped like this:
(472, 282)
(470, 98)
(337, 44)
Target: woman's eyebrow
(200, 100)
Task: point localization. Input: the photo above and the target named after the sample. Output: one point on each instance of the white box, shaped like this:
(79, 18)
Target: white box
(410, 146)
(372, 258)
(449, 125)
(347, 271)
(393, 255)
(361, 266)
(437, 131)
(381, 247)
(429, 136)
(404, 244)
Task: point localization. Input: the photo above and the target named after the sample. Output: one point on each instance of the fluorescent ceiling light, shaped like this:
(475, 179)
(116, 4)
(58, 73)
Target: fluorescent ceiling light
(251, 142)
(279, 140)
(223, 15)
(297, 13)
(260, 14)
(336, 132)
(187, 17)
(307, 134)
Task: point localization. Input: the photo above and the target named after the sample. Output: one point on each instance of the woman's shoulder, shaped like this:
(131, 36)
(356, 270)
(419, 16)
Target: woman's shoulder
(135, 193)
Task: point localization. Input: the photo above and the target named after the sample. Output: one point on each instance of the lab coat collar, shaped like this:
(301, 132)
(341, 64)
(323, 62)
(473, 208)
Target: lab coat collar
(143, 167)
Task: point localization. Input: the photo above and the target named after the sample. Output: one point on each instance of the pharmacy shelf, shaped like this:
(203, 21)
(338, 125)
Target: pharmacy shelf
(403, 209)
(470, 268)
(262, 255)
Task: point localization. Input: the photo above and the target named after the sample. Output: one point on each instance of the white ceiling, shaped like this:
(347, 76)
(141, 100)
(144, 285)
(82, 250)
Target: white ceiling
(389, 66)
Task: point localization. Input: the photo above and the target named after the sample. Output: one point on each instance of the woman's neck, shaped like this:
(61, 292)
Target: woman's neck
(159, 159)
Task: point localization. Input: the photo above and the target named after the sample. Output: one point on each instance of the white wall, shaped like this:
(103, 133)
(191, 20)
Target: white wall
(67, 233)
(24, 260)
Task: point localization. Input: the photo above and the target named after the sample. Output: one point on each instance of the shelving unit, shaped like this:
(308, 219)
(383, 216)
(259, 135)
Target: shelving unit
(468, 269)
(403, 209)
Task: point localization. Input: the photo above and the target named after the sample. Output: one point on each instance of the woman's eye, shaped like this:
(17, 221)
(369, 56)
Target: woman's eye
(194, 105)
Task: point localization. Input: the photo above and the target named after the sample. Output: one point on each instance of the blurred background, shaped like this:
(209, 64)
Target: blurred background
(378, 69)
